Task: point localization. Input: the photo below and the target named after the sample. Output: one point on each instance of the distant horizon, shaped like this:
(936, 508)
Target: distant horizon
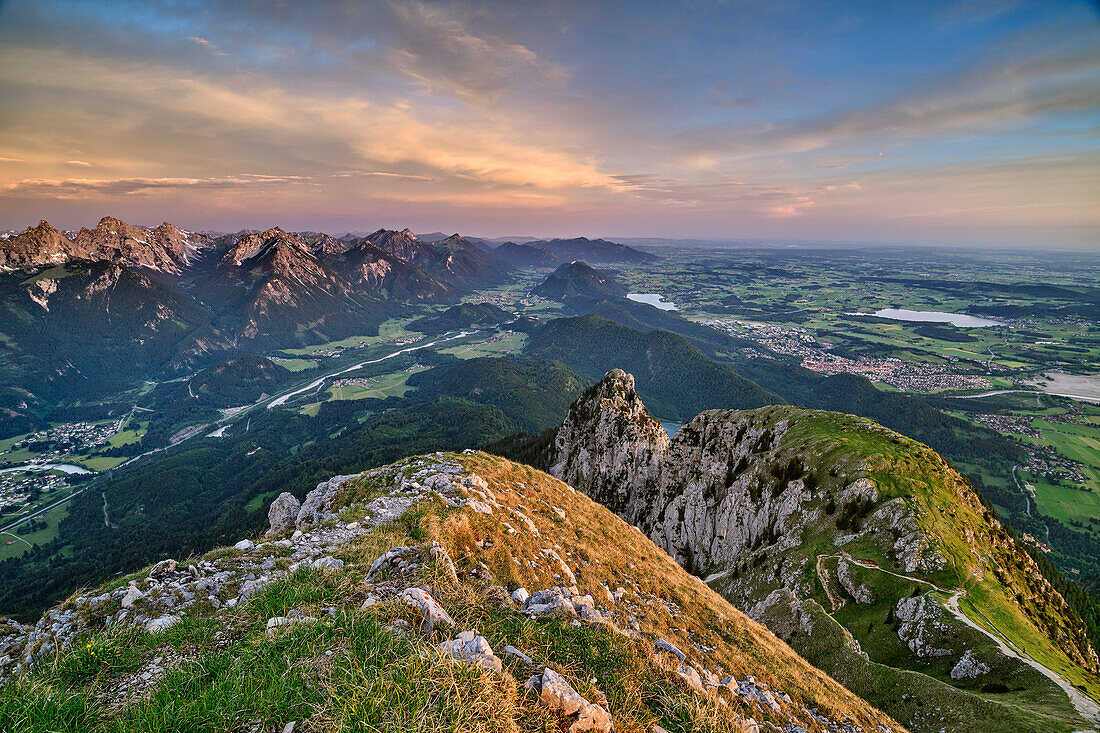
(633, 240)
(963, 122)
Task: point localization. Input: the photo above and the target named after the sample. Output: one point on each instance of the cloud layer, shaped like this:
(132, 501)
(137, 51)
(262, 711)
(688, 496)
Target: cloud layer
(977, 122)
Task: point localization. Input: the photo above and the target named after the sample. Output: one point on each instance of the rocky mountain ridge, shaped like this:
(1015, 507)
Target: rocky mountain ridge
(820, 520)
(164, 248)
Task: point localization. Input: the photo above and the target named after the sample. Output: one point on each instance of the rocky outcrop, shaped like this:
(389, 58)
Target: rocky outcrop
(39, 245)
(860, 592)
(611, 448)
(760, 502)
(922, 623)
(282, 516)
(320, 504)
(470, 647)
(557, 694)
(968, 667)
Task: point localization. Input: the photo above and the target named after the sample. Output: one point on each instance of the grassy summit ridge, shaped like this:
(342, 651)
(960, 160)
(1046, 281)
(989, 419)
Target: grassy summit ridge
(347, 653)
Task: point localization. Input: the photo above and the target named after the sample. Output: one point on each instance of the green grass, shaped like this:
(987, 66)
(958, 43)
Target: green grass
(130, 435)
(511, 344)
(294, 365)
(41, 536)
(387, 331)
(346, 671)
(928, 703)
(98, 463)
(386, 385)
(1062, 502)
(257, 501)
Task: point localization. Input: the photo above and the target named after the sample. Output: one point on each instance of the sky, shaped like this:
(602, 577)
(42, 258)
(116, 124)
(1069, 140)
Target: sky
(964, 121)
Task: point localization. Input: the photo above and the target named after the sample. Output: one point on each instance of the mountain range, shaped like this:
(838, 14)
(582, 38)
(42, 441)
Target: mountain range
(90, 311)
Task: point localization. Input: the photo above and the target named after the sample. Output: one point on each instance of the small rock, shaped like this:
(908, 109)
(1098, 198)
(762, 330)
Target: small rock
(968, 667)
(244, 545)
(470, 647)
(162, 623)
(132, 596)
(162, 568)
(277, 621)
(327, 563)
(557, 694)
(690, 675)
(434, 614)
(666, 646)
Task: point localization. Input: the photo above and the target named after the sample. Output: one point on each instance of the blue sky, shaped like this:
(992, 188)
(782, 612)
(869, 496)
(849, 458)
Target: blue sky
(969, 121)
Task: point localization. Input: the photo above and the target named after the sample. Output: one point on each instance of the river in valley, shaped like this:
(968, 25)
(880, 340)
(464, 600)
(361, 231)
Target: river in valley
(63, 467)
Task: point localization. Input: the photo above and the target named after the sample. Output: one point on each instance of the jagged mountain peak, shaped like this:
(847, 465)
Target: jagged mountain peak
(267, 244)
(165, 248)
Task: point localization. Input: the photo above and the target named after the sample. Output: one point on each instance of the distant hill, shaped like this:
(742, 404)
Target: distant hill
(599, 251)
(676, 379)
(524, 255)
(646, 317)
(238, 380)
(463, 315)
(532, 393)
(373, 271)
(453, 259)
(579, 279)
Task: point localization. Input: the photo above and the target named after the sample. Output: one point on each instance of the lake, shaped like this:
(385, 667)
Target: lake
(670, 427)
(654, 299)
(956, 319)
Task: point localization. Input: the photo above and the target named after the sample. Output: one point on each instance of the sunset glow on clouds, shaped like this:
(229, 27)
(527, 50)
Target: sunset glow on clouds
(963, 121)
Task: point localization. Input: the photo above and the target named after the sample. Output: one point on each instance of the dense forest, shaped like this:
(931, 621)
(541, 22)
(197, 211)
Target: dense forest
(194, 497)
(675, 379)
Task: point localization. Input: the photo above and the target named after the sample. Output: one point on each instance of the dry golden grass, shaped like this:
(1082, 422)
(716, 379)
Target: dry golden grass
(606, 553)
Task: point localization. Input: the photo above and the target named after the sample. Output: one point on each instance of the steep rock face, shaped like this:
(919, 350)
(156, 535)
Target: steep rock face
(833, 511)
(373, 270)
(403, 244)
(165, 248)
(611, 447)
